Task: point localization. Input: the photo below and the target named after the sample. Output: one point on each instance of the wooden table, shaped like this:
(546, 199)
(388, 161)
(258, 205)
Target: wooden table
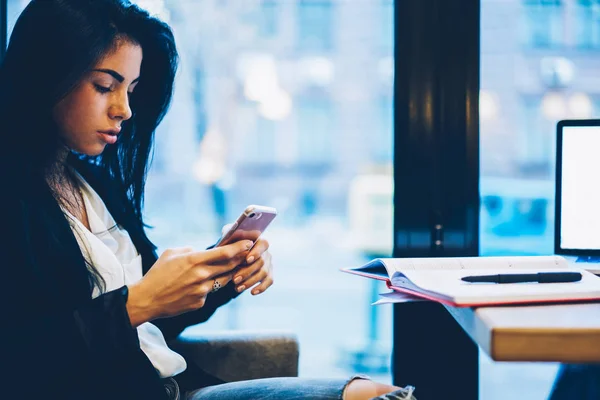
(567, 333)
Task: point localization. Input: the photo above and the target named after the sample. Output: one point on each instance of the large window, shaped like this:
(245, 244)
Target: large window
(268, 17)
(386, 17)
(316, 25)
(317, 131)
(525, 90)
(282, 117)
(288, 104)
(588, 26)
(543, 27)
(13, 9)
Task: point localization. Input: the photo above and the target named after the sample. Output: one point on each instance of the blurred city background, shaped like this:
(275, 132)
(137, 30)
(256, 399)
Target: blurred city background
(288, 103)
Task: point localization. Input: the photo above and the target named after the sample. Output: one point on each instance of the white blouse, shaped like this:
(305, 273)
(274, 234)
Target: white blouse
(110, 249)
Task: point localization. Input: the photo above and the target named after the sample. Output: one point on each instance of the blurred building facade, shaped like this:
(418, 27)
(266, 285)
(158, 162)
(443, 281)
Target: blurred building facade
(540, 63)
(298, 93)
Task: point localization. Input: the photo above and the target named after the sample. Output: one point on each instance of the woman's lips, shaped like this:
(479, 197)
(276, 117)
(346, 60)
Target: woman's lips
(108, 137)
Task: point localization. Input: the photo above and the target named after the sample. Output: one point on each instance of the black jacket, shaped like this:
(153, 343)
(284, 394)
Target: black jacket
(56, 341)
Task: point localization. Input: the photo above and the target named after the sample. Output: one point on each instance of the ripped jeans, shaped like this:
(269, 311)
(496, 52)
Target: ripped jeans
(278, 389)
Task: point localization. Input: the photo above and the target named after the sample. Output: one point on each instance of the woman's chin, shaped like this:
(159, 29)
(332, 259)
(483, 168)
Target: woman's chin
(97, 151)
(91, 150)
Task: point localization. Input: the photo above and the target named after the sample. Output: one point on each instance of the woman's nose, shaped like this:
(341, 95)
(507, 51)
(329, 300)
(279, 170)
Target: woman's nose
(120, 109)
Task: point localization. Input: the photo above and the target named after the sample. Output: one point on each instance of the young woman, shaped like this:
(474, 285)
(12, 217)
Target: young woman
(88, 305)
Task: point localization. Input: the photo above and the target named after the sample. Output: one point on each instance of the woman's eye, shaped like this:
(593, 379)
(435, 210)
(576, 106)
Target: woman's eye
(102, 89)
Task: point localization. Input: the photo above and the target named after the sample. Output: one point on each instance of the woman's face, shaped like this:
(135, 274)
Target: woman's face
(90, 116)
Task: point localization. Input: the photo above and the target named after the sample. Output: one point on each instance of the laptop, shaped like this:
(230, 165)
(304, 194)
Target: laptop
(577, 205)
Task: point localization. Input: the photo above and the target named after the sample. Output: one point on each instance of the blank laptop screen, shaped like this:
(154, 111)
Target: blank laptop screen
(580, 188)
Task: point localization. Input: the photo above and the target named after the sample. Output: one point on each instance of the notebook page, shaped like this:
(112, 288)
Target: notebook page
(448, 283)
(489, 263)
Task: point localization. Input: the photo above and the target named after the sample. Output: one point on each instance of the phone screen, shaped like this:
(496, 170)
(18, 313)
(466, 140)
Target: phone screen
(250, 225)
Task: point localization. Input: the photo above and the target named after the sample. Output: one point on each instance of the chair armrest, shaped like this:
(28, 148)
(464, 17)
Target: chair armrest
(239, 355)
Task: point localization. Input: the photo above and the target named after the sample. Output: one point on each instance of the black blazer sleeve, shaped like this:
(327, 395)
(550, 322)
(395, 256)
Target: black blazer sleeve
(56, 341)
(87, 352)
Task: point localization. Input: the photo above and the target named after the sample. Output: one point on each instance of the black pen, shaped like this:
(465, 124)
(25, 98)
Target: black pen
(540, 277)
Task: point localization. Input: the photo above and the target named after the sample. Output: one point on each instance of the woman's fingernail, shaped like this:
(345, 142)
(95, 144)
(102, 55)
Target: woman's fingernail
(241, 288)
(237, 279)
(249, 245)
(256, 291)
(250, 259)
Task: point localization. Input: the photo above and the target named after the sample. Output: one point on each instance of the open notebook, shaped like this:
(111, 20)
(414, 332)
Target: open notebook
(439, 279)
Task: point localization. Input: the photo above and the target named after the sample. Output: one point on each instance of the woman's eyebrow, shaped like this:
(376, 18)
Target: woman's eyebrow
(115, 75)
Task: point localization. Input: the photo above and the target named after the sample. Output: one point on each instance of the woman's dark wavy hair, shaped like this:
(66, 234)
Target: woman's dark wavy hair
(53, 45)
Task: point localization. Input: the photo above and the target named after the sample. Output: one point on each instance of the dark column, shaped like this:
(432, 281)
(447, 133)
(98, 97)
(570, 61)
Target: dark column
(436, 200)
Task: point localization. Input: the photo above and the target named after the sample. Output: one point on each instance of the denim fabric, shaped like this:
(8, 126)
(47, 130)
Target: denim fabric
(580, 382)
(275, 389)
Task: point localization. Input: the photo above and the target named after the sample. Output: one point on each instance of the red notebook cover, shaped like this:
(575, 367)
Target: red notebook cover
(373, 270)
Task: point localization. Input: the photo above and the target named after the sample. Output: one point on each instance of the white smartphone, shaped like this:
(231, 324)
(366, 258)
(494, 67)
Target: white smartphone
(250, 225)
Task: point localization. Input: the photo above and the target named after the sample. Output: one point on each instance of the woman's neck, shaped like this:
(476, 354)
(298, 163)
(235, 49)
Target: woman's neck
(65, 187)
(57, 172)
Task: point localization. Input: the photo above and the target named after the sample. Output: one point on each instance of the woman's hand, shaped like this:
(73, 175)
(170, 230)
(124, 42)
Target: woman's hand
(181, 279)
(258, 270)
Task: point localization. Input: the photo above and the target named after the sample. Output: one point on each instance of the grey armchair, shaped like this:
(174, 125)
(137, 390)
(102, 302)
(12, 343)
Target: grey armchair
(241, 355)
